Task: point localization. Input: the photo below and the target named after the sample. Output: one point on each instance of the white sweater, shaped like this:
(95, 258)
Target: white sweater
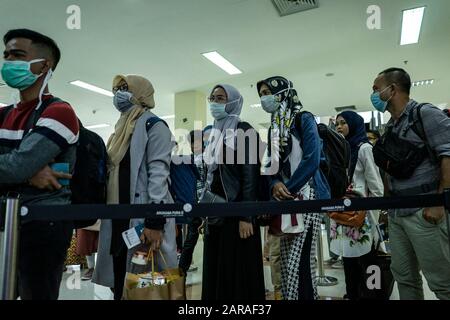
(367, 182)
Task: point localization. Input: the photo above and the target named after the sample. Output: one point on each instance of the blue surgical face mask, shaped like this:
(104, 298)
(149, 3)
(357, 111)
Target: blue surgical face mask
(18, 74)
(270, 104)
(218, 110)
(122, 101)
(378, 103)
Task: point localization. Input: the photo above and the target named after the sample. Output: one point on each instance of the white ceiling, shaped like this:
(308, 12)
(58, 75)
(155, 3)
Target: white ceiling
(163, 40)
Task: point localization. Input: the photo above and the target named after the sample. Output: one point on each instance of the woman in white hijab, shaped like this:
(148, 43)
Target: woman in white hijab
(232, 263)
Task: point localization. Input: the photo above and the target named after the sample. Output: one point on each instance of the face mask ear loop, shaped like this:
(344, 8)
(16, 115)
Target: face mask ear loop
(44, 85)
(390, 98)
(387, 101)
(226, 104)
(288, 89)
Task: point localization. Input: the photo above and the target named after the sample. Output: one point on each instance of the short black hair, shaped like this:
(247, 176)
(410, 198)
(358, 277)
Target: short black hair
(191, 136)
(375, 132)
(37, 39)
(195, 133)
(398, 76)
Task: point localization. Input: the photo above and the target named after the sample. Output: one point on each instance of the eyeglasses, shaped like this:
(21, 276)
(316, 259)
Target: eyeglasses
(217, 99)
(122, 87)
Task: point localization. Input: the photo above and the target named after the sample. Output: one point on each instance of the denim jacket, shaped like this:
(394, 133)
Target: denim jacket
(309, 167)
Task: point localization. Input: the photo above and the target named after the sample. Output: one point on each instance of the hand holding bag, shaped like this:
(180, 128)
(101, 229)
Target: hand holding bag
(172, 288)
(290, 224)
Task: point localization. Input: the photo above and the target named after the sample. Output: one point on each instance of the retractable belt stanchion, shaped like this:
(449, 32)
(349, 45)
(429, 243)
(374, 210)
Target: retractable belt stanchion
(9, 250)
(10, 220)
(322, 279)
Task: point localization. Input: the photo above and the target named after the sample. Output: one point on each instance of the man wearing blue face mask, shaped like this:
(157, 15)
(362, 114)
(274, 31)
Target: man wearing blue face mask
(35, 132)
(418, 237)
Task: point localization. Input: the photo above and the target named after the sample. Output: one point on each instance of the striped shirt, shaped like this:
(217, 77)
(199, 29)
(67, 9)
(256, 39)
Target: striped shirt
(58, 123)
(23, 154)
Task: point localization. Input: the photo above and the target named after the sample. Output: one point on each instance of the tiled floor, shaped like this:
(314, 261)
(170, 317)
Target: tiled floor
(84, 290)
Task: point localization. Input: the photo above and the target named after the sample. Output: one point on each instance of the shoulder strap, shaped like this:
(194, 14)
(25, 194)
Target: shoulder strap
(152, 121)
(244, 126)
(33, 119)
(416, 124)
(4, 113)
(414, 118)
(298, 123)
(352, 169)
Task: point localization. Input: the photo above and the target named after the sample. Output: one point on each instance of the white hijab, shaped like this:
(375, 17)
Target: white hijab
(224, 130)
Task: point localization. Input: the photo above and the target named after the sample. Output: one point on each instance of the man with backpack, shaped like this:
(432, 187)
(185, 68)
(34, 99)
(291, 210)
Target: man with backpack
(415, 154)
(198, 141)
(39, 132)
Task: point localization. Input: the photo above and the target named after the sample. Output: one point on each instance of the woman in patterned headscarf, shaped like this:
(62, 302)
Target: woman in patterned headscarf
(298, 177)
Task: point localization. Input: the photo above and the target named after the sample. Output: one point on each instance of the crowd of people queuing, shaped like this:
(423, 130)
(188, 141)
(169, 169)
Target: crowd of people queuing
(139, 160)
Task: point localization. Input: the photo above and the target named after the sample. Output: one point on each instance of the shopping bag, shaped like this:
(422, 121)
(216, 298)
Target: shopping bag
(132, 292)
(286, 224)
(290, 224)
(177, 284)
(166, 285)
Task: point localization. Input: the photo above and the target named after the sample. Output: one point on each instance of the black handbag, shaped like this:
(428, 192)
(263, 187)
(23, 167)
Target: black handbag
(211, 197)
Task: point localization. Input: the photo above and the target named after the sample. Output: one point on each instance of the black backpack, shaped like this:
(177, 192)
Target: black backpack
(399, 157)
(416, 124)
(337, 157)
(88, 183)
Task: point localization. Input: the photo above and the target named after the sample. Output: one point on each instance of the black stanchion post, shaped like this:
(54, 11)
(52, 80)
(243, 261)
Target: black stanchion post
(322, 279)
(9, 251)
